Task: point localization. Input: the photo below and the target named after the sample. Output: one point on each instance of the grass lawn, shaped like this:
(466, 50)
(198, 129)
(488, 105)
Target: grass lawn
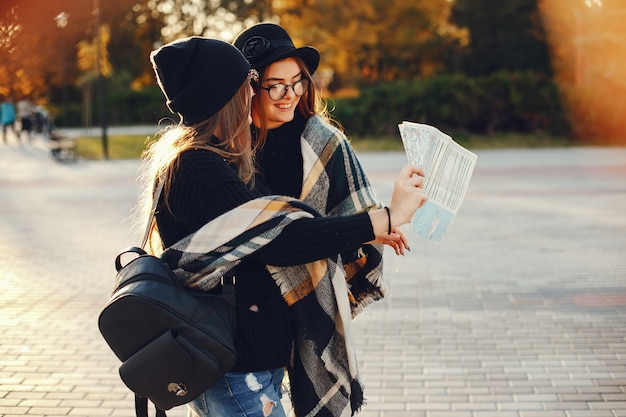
(119, 146)
(131, 146)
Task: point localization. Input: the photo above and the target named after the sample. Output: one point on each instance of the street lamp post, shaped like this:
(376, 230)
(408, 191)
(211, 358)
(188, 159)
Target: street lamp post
(100, 84)
(62, 20)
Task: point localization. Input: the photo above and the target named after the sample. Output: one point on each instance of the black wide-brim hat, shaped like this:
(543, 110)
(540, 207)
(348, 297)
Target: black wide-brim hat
(266, 43)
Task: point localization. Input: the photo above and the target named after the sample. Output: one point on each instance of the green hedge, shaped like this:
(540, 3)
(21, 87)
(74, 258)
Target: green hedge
(502, 102)
(123, 106)
(455, 103)
(129, 107)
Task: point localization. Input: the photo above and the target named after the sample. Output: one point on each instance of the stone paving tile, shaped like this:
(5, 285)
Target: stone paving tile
(520, 311)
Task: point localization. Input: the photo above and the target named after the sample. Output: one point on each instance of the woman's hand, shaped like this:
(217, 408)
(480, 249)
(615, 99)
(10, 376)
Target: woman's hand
(397, 240)
(408, 195)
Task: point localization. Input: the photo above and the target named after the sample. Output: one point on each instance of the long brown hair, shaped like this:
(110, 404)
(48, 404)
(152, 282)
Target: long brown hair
(310, 103)
(161, 158)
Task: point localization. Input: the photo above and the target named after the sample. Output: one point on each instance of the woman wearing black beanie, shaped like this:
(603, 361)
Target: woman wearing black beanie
(213, 218)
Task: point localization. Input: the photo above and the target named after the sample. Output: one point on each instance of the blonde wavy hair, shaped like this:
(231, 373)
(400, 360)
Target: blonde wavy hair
(161, 158)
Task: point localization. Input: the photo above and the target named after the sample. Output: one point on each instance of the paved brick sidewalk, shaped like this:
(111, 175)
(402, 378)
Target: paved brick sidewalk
(520, 311)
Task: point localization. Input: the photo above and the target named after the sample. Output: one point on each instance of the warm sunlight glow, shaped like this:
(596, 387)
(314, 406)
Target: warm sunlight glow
(593, 3)
(589, 59)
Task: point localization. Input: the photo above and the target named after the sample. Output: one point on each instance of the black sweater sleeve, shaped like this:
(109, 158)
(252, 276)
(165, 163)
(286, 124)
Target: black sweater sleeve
(307, 240)
(205, 187)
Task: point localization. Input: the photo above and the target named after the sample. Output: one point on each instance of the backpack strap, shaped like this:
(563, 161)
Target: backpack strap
(141, 404)
(141, 408)
(155, 201)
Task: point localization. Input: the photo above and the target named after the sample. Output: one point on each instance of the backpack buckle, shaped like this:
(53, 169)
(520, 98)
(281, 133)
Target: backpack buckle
(177, 388)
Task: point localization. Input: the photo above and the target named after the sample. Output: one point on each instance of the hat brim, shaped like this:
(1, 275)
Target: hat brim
(309, 55)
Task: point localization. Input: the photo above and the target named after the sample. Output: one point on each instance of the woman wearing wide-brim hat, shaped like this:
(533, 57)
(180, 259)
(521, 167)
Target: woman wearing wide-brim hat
(303, 154)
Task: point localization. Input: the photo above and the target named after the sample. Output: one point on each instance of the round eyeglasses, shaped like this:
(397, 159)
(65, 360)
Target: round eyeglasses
(279, 90)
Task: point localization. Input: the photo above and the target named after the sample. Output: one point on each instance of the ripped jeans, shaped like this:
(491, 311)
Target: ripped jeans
(245, 394)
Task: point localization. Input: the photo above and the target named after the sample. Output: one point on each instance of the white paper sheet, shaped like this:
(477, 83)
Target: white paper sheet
(448, 167)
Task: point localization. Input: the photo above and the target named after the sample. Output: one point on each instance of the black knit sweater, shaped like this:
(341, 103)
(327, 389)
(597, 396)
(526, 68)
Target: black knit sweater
(204, 187)
(280, 159)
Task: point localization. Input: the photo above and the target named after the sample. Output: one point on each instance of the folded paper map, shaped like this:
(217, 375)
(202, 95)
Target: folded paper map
(448, 167)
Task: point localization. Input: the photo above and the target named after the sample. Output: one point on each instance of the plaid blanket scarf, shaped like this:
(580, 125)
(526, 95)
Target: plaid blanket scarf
(323, 296)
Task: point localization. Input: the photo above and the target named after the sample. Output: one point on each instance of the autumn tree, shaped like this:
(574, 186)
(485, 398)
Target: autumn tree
(38, 53)
(504, 36)
(221, 19)
(23, 54)
(366, 42)
(362, 42)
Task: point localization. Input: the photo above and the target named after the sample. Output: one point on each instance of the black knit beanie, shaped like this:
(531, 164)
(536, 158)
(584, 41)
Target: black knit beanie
(198, 76)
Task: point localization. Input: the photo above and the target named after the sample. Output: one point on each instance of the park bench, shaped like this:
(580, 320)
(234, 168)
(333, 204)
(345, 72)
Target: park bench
(63, 147)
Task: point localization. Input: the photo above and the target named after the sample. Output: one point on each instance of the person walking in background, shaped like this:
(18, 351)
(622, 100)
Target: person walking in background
(42, 122)
(7, 117)
(25, 114)
(213, 217)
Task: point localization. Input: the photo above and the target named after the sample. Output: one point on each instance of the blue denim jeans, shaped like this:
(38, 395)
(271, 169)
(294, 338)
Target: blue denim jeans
(245, 394)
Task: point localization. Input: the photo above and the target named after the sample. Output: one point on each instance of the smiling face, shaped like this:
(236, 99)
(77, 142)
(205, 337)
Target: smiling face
(281, 111)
